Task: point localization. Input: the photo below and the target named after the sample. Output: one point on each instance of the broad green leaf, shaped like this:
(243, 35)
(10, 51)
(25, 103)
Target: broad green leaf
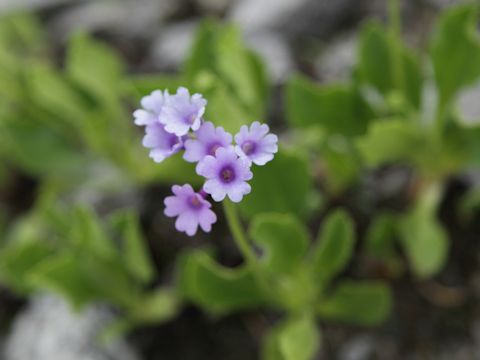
(376, 64)
(237, 68)
(341, 161)
(38, 150)
(17, 261)
(142, 85)
(134, 250)
(215, 287)
(95, 67)
(334, 246)
(62, 275)
(88, 233)
(282, 186)
(284, 239)
(155, 307)
(202, 53)
(391, 140)
(424, 239)
(61, 98)
(380, 238)
(357, 302)
(224, 109)
(298, 338)
(336, 108)
(455, 51)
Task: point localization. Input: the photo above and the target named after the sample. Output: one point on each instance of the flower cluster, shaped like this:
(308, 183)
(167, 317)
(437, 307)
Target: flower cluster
(175, 122)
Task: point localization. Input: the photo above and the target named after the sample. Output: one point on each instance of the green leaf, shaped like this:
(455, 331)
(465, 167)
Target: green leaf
(156, 307)
(282, 186)
(215, 287)
(376, 59)
(391, 140)
(380, 238)
(88, 233)
(284, 239)
(424, 239)
(61, 97)
(17, 261)
(334, 247)
(296, 339)
(336, 108)
(63, 276)
(202, 53)
(39, 150)
(135, 252)
(455, 51)
(142, 85)
(95, 67)
(357, 302)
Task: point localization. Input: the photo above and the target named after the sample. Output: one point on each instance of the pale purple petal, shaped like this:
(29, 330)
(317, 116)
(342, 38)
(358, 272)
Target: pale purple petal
(161, 143)
(206, 218)
(182, 112)
(226, 174)
(190, 208)
(256, 144)
(208, 140)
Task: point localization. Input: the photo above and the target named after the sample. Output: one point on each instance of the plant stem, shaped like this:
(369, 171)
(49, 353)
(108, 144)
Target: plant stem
(238, 233)
(395, 28)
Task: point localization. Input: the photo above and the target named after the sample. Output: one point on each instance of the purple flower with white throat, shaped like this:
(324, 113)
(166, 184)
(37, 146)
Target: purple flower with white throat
(191, 210)
(162, 144)
(208, 140)
(151, 108)
(256, 144)
(182, 112)
(226, 174)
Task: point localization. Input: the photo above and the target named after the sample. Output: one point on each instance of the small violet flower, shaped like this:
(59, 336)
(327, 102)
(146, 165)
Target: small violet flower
(226, 174)
(161, 143)
(191, 209)
(152, 107)
(208, 140)
(182, 112)
(256, 144)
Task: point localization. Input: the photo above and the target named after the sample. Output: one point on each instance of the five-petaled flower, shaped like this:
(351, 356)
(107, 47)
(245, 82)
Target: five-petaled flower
(227, 175)
(182, 112)
(208, 140)
(191, 210)
(161, 143)
(256, 144)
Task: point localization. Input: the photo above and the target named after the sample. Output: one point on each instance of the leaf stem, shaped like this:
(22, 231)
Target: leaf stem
(238, 233)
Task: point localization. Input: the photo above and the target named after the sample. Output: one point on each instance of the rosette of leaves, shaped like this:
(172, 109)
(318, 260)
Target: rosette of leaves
(400, 108)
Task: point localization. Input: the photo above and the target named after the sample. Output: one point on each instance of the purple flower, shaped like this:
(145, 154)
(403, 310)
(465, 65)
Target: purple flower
(191, 208)
(208, 140)
(226, 174)
(152, 107)
(182, 112)
(161, 143)
(256, 144)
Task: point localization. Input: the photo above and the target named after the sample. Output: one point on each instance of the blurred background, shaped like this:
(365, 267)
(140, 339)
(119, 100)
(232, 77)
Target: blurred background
(315, 37)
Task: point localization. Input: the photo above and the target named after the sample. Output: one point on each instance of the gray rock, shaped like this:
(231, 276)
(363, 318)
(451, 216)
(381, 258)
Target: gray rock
(171, 47)
(126, 18)
(274, 51)
(443, 4)
(336, 62)
(14, 5)
(295, 17)
(357, 348)
(213, 6)
(48, 330)
(469, 106)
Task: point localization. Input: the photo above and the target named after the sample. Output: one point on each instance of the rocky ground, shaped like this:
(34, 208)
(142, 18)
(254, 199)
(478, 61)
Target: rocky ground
(317, 37)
